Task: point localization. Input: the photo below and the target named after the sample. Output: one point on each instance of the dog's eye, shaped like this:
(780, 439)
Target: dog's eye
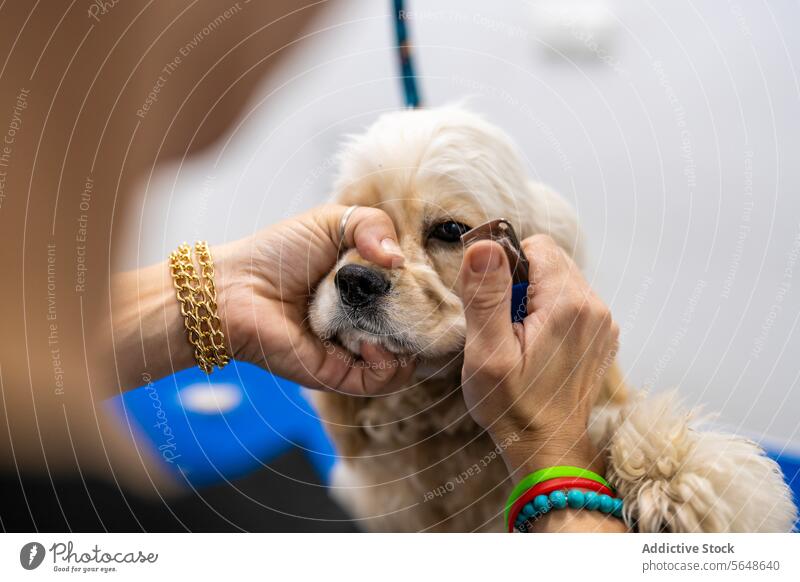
(449, 231)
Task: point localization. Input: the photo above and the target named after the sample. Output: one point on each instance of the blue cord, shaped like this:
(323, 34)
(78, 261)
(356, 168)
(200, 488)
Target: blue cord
(408, 76)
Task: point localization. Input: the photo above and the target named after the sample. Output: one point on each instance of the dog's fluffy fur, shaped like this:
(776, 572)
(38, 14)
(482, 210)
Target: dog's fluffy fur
(415, 460)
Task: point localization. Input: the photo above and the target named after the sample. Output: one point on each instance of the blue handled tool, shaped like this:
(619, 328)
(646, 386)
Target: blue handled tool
(501, 231)
(519, 302)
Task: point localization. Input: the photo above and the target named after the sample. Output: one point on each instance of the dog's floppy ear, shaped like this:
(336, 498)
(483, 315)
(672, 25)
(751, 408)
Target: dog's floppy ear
(548, 213)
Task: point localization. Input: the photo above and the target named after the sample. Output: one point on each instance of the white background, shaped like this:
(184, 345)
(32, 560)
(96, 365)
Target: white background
(667, 164)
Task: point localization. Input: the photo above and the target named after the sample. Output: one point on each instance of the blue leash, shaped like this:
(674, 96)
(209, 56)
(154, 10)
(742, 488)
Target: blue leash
(407, 74)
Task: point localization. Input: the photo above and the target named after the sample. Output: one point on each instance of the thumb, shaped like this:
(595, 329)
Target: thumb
(486, 294)
(372, 233)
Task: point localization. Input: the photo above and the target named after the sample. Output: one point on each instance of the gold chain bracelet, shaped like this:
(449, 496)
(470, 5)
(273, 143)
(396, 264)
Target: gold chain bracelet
(198, 301)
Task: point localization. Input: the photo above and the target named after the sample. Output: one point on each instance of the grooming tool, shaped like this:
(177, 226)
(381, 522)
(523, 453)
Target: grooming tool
(501, 232)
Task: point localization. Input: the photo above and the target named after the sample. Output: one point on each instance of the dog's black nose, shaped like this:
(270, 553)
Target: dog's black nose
(359, 286)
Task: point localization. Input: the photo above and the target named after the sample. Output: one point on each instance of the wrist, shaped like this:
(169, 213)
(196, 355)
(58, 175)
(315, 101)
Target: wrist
(235, 294)
(571, 520)
(526, 453)
(149, 337)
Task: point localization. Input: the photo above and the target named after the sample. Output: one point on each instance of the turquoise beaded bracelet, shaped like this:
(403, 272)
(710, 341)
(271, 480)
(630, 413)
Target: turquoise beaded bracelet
(574, 498)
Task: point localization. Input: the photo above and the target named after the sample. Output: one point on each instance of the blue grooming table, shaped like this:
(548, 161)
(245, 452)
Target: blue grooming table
(205, 446)
(791, 472)
(267, 416)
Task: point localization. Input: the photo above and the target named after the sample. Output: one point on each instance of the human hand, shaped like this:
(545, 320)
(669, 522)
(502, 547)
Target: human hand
(264, 283)
(532, 385)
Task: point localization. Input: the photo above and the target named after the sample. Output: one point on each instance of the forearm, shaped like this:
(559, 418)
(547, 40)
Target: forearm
(149, 336)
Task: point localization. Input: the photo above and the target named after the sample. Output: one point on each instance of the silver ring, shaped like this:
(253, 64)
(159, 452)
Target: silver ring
(343, 223)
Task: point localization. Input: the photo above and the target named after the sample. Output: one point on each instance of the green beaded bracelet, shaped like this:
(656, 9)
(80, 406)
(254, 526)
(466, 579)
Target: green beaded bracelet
(549, 473)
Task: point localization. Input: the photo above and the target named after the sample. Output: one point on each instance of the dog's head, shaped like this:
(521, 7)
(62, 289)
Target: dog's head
(437, 173)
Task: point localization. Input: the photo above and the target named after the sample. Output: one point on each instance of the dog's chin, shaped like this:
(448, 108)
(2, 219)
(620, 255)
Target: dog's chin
(352, 339)
(399, 344)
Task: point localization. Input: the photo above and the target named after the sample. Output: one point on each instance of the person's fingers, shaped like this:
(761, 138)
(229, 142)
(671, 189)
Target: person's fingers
(382, 370)
(553, 275)
(376, 372)
(486, 294)
(372, 233)
(544, 256)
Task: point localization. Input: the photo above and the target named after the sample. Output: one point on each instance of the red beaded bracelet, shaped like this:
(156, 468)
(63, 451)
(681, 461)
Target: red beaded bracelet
(546, 487)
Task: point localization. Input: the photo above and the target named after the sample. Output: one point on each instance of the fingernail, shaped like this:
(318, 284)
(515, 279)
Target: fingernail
(484, 259)
(390, 246)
